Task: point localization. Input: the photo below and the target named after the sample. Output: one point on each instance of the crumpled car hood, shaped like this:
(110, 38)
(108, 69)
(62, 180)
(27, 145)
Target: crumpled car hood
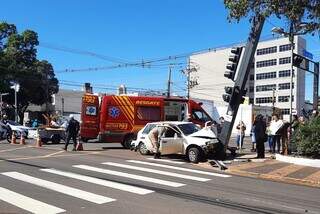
(204, 133)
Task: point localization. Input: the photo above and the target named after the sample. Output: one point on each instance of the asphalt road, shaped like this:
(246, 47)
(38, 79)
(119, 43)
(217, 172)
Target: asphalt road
(108, 179)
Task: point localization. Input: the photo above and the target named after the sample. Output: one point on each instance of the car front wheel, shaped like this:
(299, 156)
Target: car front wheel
(194, 155)
(143, 149)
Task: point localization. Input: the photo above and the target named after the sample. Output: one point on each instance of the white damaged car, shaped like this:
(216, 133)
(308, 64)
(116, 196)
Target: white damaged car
(180, 138)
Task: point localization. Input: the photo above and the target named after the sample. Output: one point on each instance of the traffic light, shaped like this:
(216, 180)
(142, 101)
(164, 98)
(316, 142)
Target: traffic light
(233, 63)
(297, 60)
(227, 97)
(300, 62)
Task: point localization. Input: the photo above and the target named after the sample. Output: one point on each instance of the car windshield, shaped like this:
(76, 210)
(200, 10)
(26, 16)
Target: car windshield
(188, 128)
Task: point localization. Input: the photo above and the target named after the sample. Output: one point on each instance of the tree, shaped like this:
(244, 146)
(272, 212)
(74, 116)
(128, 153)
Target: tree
(19, 64)
(306, 12)
(306, 138)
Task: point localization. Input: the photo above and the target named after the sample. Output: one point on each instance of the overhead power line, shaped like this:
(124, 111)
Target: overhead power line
(82, 52)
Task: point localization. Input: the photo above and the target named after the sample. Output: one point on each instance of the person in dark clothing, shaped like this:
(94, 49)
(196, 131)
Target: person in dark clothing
(72, 131)
(260, 135)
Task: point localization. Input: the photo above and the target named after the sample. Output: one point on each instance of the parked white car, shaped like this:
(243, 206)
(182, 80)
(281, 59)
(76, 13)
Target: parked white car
(180, 138)
(19, 129)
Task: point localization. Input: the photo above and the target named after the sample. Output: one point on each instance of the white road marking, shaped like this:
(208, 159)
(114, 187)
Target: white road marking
(157, 171)
(111, 184)
(131, 176)
(8, 150)
(180, 168)
(88, 196)
(55, 153)
(168, 161)
(26, 203)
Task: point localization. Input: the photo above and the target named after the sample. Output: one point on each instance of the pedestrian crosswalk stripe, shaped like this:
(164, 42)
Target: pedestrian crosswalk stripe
(189, 177)
(168, 161)
(131, 176)
(27, 203)
(88, 196)
(114, 185)
(180, 168)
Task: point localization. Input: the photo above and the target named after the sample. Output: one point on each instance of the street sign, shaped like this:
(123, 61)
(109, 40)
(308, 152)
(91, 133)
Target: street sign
(307, 54)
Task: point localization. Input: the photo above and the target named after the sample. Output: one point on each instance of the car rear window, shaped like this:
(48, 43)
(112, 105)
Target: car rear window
(148, 128)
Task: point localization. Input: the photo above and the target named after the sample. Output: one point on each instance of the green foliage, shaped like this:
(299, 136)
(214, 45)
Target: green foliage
(296, 11)
(19, 63)
(307, 138)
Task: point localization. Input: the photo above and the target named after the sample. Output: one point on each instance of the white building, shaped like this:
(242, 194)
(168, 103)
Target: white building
(269, 78)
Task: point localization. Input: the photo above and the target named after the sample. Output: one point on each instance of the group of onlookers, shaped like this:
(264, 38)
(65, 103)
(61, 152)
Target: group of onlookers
(274, 130)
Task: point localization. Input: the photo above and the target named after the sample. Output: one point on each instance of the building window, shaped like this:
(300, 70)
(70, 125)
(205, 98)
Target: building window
(285, 111)
(283, 48)
(261, 100)
(268, 75)
(251, 100)
(266, 63)
(285, 73)
(251, 76)
(251, 89)
(285, 60)
(283, 99)
(264, 51)
(284, 86)
(269, 87)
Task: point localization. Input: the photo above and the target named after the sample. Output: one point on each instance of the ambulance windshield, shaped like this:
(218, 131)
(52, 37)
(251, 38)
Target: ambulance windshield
(200, 115)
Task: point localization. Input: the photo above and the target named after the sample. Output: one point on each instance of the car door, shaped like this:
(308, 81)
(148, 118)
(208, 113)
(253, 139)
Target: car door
(171, 142)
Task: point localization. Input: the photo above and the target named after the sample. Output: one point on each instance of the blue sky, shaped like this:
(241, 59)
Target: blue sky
(132, 30)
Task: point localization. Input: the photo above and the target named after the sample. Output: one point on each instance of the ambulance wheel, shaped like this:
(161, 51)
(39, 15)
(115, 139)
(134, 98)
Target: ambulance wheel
(194, 155)
(143, 149)
(44, 140)
(127, 142)
(55, 139)
(85, 140)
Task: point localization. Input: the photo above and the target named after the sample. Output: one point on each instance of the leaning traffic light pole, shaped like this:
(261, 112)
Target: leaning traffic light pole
(235, 95)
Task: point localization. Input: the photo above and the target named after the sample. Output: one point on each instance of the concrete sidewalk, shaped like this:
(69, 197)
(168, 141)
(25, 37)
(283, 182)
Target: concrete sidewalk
(246, 164)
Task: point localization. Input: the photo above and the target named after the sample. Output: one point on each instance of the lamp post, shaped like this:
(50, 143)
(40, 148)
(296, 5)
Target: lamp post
(290, 35)
(16, 88)
(1, 95)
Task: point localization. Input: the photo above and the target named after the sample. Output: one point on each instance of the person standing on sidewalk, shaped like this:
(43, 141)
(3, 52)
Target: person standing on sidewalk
(285, 138)
(260, 135)
(253, 137)
(72, 131)
(241, 127)
(270, 140)
(275, 126)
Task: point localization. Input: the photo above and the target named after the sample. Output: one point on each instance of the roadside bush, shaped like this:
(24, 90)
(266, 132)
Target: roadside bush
(307, 138)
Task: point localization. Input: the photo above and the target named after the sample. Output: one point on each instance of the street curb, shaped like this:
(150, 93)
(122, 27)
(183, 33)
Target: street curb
(309, 183)
(298, 161)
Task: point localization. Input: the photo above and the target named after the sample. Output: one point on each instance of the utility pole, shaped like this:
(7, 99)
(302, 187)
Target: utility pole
(1, 95)
(62, 106)
(273, 99)
(291, 39)
(47, 91)
(169, 83)
(316, 86)
(190, 83)
(188, 80)
(16, 88)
